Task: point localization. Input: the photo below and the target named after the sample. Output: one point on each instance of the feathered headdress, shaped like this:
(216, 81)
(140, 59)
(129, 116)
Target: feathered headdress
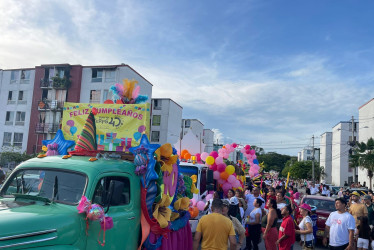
(128, 93)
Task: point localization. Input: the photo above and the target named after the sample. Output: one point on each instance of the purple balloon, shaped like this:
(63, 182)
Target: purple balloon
(70, 123)
(141, 129)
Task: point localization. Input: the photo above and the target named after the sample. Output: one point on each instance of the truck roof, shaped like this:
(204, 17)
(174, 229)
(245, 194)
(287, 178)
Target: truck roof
(80, 164)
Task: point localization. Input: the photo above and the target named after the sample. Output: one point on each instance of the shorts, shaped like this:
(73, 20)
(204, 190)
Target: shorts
(363, 243)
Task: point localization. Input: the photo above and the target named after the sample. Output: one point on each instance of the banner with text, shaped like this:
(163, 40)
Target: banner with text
(118, 126)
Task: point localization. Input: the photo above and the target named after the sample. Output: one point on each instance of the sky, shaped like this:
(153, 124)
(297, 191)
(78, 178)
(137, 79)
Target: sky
(264, 73)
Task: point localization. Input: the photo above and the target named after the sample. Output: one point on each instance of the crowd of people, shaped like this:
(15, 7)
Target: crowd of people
(273, 213)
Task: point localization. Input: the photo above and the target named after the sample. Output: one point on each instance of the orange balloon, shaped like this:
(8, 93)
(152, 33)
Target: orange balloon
(187, 156)
(224, 175)
(184, 151)
(194, 212)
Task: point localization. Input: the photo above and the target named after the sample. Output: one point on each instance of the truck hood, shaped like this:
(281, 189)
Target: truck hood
(27, 224)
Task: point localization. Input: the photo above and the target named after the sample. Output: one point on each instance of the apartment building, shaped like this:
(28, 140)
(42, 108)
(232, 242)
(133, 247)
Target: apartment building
(326, 156)
(307, 154)
(16, 95)
(166, 118)
(208, 139)
(366, 131)
(341, 136)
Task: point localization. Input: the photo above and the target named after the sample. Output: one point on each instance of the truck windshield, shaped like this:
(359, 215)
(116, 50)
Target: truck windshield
(42, 182)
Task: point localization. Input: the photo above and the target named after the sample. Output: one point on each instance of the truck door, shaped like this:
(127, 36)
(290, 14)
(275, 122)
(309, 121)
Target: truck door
(124, 208)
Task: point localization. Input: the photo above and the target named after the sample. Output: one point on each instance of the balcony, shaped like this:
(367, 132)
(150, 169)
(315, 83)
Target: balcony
(55, 82)
(48, 105)
(46, 128)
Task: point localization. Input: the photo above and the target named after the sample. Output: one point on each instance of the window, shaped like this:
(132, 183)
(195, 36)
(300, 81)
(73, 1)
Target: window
(9, 118)
(155, 137)
(187, 123)
(157, 104)
(20, 95)
(17, 140)
(14, 76)
(97, 75)
(10, 95)
(156, 120)
(51, 73)
(120, 186)
(107, 95)
(95, 96)
(110, 75)
(7, 140)
(20, 118)
(25, 76)
(60, 73)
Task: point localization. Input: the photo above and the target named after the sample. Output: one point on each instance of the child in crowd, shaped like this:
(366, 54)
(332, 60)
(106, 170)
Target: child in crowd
(314, 217)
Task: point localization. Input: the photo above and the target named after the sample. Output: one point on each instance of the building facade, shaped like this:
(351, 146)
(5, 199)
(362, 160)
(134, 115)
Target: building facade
(366, 131)
(307, 154)
(208, 140)
(166, 118)
(326, 156)
(16, 96)
(341, 136)
(54, 84)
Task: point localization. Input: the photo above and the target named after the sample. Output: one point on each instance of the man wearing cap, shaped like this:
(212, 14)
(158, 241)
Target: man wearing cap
(357, 209)
(340, 227)
(369, 207)
(215, 230)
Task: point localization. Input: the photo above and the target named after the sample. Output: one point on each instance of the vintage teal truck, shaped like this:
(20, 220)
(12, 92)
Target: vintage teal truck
(38, 204)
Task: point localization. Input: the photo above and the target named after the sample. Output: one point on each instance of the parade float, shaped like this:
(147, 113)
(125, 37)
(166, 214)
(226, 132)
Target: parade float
(100, 184)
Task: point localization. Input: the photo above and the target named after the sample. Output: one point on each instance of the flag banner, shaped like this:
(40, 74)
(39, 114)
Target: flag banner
(118, 126)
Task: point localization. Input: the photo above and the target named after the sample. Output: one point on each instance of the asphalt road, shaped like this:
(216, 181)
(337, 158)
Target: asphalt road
(296, 246)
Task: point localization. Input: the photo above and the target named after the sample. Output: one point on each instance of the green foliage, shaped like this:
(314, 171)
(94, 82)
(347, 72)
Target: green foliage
(259, 150)
(363, 156)
(16, 157)
(303, 170)
(273, 161)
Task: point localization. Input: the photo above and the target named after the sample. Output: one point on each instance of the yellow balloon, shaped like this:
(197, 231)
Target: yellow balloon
(209, 160)
(230, 169)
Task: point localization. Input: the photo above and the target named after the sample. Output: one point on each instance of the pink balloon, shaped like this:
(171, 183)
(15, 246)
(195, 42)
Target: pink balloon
(231, 179)
(220, 181)
(213, 167)
(236, 184)
(200, 205)
(219, 160)
(198, 157)
(204, 155)
(221, 167)
(234, 145)
(247, 147)
(216, 175)
(226, 186)
(253, 152)
(193, 201)
(214, 154)
(242, 150)
(208, 197)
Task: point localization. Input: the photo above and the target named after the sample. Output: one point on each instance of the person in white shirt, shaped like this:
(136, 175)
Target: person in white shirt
(340, 226)
(306, 227)
(250, 198)
(313, 189)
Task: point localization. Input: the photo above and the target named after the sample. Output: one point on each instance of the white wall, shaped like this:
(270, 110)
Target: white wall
(366, 131)
(23, 106)
(208, 139)
(325, 155)
(340, 153)
(171, 116)
(196, 126)
(122, 72)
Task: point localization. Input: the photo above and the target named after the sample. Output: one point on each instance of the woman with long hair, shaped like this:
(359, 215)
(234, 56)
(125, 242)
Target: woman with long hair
(306, 227)
(255, 225)
(234, 209)
(239, 229)
(363, 234)
(269, 225)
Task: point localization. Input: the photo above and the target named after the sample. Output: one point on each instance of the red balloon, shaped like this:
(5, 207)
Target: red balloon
(247, 147)
(214, 154)
(108, 101)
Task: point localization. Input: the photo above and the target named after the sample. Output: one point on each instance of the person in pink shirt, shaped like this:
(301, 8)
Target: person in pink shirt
(286, 237)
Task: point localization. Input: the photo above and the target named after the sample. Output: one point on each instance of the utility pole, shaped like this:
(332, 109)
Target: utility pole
(313, 160)
(353, 144)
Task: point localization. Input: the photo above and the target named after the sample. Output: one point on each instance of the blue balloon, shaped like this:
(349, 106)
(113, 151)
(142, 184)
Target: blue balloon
(63, 144)
(73, 130)
(255, 161)
(137, 136)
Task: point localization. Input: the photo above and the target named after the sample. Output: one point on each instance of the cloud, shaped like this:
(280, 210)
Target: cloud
(218, 136)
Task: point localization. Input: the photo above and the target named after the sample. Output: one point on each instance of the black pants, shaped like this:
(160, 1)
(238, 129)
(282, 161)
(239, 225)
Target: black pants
(339, 247)
(254, 237)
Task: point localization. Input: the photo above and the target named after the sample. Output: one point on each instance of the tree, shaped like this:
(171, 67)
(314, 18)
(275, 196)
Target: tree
(364, 157)
(273, 161)
(302, 170)
(7, 157)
